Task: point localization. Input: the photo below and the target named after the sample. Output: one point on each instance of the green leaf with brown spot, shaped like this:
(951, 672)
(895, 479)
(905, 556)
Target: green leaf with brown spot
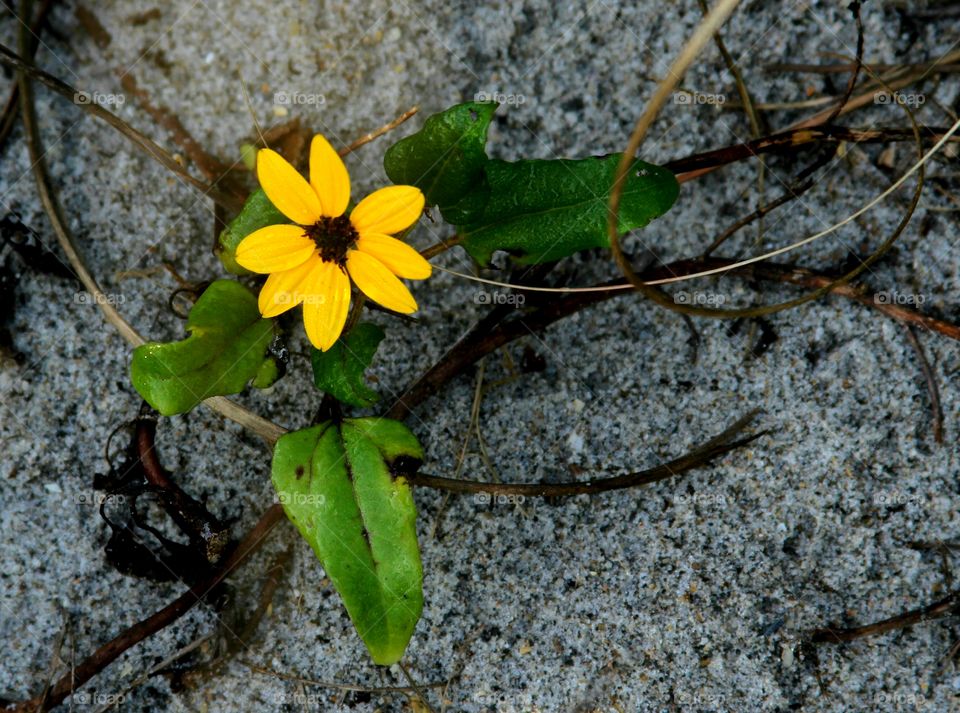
(342, 486)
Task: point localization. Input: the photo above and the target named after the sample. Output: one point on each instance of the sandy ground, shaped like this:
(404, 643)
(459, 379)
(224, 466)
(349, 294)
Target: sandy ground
(689, 595)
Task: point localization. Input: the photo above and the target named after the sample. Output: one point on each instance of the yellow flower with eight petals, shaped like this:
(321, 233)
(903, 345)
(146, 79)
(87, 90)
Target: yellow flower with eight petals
(314, 261)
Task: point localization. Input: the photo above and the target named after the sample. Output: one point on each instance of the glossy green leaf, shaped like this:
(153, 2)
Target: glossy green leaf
(445, 158)
(258, 212)
(539, 211)
(341, 485)
(227, 348)
(339, 371)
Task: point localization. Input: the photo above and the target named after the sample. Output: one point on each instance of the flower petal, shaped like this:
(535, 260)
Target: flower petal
(287, 189)
(325, 308)
(388, 210)
(285, 290)
(378, 283)
(274, 249)
(329, 177)
(401, 259)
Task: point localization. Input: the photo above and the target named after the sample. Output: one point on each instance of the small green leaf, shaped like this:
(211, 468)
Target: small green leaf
(445, 158)
(341, 485)
(267, 374)
(339, 371)
(539, 211)
(227, 347)
(248, 154)
(258, 212)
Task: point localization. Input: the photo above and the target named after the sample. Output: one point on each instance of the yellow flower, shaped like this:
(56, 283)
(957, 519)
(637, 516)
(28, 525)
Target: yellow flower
(314, 261)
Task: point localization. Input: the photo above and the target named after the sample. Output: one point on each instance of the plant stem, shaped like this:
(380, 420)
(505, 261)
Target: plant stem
(109, 652)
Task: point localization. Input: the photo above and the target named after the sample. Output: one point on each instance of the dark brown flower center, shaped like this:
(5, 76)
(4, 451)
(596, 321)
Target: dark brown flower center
(334, 238)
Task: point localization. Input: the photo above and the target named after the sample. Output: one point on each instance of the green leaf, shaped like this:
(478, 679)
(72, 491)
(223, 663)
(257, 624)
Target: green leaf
(339, 371)
(445, 158)
(227, 347)
(258, 212)
(248, 154)
(267, 374)
(539, 211)
(341, 484)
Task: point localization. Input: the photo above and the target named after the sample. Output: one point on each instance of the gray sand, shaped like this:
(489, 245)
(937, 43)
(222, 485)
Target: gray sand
(688, 595)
